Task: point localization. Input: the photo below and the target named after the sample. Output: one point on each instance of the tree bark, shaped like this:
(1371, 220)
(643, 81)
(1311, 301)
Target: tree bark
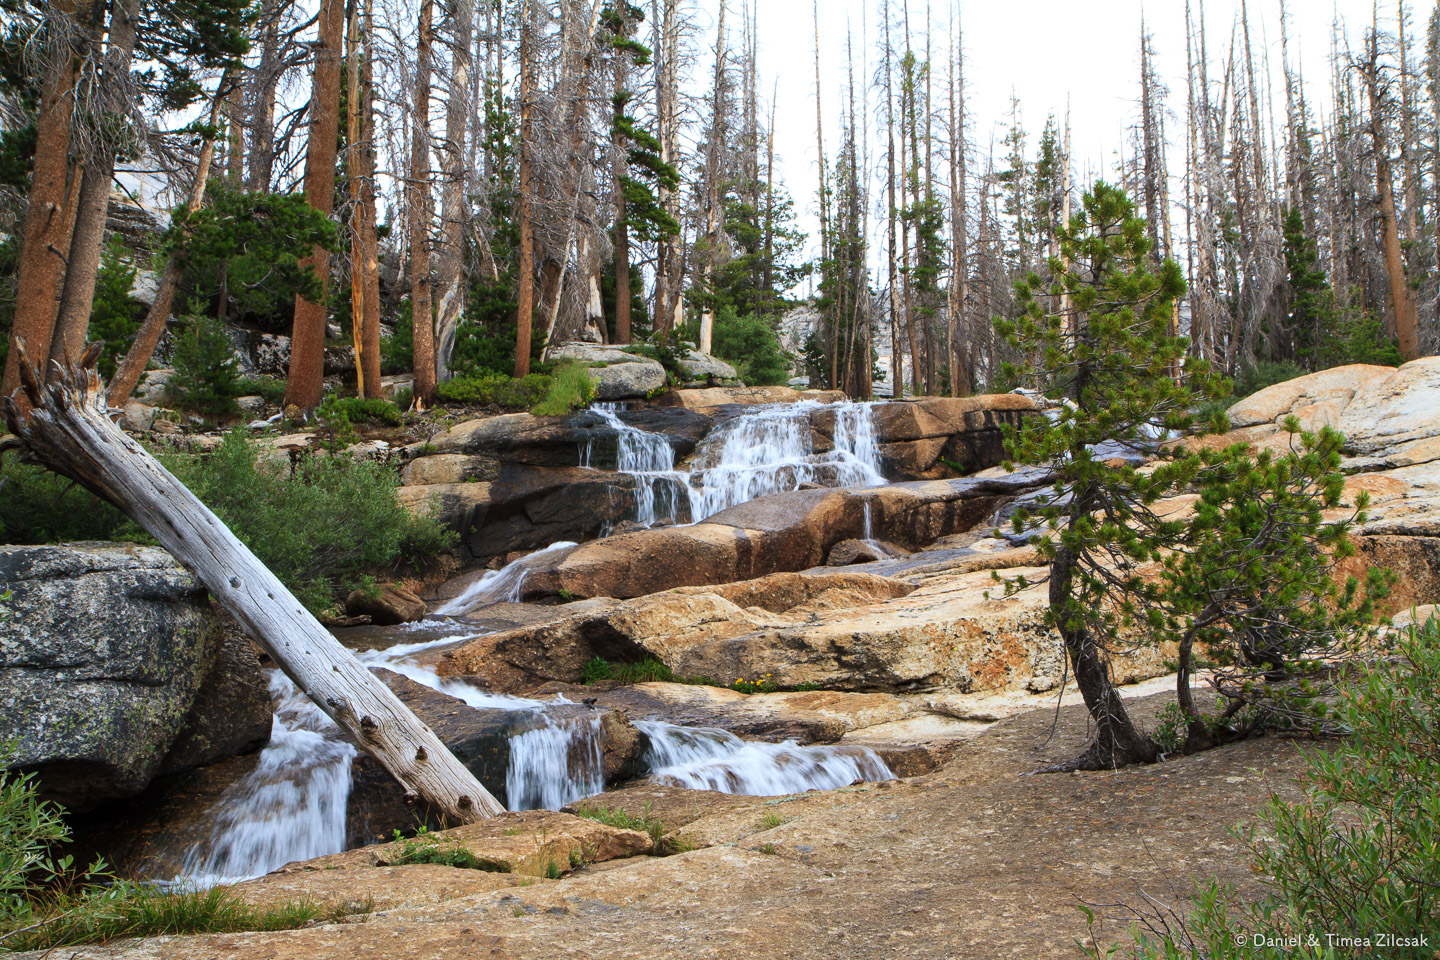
(525, 280)
(70, 432)
(83, 266)
(305, 384)
(450, 283)
(47, 235)
(421, 320)
(128, 373)
(367, 363)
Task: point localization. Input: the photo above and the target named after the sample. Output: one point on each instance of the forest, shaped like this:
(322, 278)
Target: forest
(336, 172)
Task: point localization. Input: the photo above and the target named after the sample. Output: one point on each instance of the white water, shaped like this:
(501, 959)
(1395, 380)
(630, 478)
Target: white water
(506, 585)
(702, 758)
(290, 807)
(764, 452)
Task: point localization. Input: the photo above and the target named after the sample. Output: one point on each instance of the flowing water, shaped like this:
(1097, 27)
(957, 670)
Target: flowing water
(293, 805)
(702, 758)
(766, 451)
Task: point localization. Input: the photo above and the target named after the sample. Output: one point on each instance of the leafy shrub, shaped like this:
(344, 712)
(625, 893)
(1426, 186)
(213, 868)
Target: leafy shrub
(1265, 373)
(319, 529)
(495, 389)
(1358, 854)
(570, 388)
(114, 317)
(359, 410)
(272, 389)
(207, 376)
(37, 506)
(397, 352)
(426, 847)
(748, 343)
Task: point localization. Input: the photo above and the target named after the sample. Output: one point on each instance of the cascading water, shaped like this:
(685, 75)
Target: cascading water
(290, 807)
(764, 452)
(500, 586)
(661, 491)
(702, 758)
(555, 764)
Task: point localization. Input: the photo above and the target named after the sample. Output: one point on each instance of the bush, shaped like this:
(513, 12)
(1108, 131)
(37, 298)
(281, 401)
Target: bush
(319, 530)
(37, 506)
(114, 317)
(359, 410)
(272, 389)
(749, 344)
(570, 388)
(1359, 854)
(495, 389)
(207, 376)
(1266, 373)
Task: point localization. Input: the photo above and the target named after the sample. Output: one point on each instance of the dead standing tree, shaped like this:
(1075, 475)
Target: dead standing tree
(70, 431)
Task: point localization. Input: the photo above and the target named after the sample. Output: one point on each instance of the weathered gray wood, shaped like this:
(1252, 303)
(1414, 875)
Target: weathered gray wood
(70, 431)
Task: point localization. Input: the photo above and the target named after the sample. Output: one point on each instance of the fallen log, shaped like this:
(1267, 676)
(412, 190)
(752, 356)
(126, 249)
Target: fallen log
(70, 431)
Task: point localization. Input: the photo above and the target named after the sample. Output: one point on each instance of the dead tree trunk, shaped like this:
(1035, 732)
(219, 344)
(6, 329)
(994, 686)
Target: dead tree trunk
(421, 311)
(132, 368)
(70, 431)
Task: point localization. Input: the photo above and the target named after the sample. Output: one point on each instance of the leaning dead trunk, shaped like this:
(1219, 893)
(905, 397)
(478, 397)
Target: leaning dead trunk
(70, 431)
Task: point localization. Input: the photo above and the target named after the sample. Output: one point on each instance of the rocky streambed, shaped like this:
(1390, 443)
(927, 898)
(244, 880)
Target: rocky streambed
(850, 587)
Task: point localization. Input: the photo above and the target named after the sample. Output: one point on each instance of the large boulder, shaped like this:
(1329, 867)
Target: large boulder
(784, 532)
(849, 632)
(712, 400)
(105, 653)
(618, 375)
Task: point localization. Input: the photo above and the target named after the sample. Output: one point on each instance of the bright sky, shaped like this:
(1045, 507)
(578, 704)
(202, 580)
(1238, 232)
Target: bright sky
(1049, 53)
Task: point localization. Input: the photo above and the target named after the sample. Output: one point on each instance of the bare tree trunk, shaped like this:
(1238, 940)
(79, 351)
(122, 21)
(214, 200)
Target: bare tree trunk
(267, 82)
(897, 356)
(305, 384)
(355, 164)
(622, 227)
(83, 266)
(421, 320)
(525, 281)
(712, 180)
(450, 282)
(961, 369)
(368, 360)
(70, 432)
(1401, 296)
(47, 234)
(137, 358)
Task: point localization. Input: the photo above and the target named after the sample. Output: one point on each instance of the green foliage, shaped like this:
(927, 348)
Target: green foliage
(1263, 373)
(37, 506)
(318, 529)
(448, 851)
(769, 821)
(359, 410)
(750, 345)
(9, 269)
(571, 388)
(272, 389)
(258, 241)
(114, 317)
(397, 352)
(207, 375)
(498, 389)
(648, 670)
(668, 349)
(618, 818)
(29, 830)
(1358, 855)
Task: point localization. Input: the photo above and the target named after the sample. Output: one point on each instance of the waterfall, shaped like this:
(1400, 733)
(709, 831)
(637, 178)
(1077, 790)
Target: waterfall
(766, 451)
(500, 586)
(290, 807)
(660, 490)
(702, 758)
(553, 765)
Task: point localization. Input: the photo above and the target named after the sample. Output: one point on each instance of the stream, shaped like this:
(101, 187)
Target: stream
(292, 806)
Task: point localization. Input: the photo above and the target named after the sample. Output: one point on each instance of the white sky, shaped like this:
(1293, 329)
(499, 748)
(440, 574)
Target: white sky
(1049, 53)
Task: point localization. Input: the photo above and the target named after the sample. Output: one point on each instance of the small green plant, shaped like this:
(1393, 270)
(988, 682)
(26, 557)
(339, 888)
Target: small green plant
(427, 847)
(770, 820)
(207, 375)
(621, 820)
(360, 410)
(570, 389)
(596, 670)
(565, 595)
(114, 316)
(768, 848)
(552, 871)
(649, 670)
(765, 683)
(272, 389)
